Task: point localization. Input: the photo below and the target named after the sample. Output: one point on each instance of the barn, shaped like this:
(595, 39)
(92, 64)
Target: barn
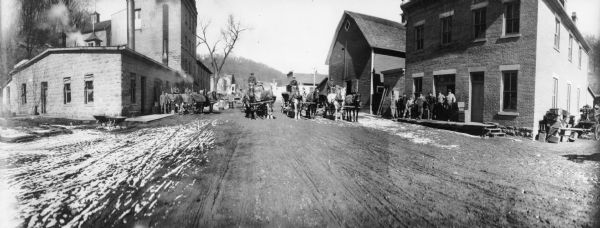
(363, 49)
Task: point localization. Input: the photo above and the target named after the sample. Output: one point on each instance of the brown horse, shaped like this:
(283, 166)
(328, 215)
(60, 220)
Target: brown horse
(352, 105)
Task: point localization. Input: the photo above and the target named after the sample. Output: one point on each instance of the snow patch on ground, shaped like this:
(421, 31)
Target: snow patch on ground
(77, 177)
(9, 216)
(415, 133)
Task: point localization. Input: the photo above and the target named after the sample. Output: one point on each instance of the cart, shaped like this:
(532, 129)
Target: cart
(109, 121)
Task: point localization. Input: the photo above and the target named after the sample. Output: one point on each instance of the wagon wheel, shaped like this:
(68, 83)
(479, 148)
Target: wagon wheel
(597, 132)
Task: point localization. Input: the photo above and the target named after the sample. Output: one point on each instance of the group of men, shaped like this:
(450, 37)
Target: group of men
(440, 107)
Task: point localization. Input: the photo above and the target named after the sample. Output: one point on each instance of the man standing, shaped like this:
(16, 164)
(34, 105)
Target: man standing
(430, 105)
(420, 104)
(450, 103)
(441, 99)
(393, 108)
(408, 106)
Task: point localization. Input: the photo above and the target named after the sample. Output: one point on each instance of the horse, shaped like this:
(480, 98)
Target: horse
(297, 102)
(336, 101)
(352, 102)
(267, 107)
(312, 100)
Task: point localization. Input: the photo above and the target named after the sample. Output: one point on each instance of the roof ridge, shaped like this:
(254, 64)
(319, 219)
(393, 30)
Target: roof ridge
(376, 19)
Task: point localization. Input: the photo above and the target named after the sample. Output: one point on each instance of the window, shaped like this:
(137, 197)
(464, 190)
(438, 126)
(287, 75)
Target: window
(557, 35)
(418, 86)
(23, 93)
(89, 91)
(570, 48)
(132, 87)
(419, 36)
(479, 23)
(578, 98)
(555, 93)
(509, 90)
(8, 95)
(446, 30)
(347, 26)
(579, 64)
(138, 19)
(511, 17)
(67, 91)
(569, 97)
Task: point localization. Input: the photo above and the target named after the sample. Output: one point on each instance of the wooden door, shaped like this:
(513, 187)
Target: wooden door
(44, 97)
(143, 95)
(477, 97)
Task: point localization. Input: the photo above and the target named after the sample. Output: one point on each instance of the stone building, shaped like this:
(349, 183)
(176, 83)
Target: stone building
(164, 31)
(508, 61)
(362, 48)
(107, 77)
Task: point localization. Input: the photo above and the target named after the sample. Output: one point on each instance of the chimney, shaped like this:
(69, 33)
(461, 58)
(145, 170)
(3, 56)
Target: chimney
(63, 40)
(95, 17)
(131, 24)
(574, 17)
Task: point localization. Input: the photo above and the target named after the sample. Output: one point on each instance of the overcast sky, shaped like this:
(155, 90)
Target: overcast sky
(296, 34)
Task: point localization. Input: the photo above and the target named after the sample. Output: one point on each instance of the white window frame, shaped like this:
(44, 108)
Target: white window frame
(554, 92)
(570, 47)
(137, 19)
(557, 34)
(504, 19)
(569, 87)
(503, 72)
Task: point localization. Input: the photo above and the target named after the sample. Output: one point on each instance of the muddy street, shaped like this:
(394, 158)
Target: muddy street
(222, 170)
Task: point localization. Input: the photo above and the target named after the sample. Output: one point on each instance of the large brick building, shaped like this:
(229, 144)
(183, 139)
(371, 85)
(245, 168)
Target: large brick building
(106, 77)
(363, 47)
(509, 61)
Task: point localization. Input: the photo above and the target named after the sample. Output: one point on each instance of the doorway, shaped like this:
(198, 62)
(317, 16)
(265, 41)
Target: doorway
(477, 96)
(143, 95)
(378, 91)
(44, 97)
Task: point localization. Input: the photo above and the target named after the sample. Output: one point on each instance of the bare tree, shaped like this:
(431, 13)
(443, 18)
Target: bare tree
(219, 50)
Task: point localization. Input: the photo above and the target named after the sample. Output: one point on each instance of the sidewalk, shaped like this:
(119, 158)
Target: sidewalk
(148, 118)
(471, 128)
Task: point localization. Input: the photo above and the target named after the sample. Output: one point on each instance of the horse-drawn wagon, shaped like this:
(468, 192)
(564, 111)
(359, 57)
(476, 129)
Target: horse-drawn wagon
(257, 100)
(189, 102)
(589, 122)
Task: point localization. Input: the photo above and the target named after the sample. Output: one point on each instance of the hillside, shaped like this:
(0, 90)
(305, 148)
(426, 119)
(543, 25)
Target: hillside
(241, 68)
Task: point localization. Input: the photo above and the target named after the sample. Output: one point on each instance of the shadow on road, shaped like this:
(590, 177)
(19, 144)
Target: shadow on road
(580, 158)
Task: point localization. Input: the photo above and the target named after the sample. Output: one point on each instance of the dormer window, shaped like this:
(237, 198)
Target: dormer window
(347, 26)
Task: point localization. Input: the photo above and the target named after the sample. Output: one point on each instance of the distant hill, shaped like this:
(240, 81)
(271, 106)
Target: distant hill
(241, 68)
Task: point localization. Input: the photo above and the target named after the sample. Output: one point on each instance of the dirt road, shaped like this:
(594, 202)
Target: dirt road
(375, 173)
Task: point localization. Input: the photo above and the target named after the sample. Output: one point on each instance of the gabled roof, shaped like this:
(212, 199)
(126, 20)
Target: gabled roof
(93, 37)
(100, 26)
(380, 33)
(308, 78)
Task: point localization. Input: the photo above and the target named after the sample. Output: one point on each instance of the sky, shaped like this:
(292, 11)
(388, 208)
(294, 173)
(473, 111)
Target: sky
(295, 35)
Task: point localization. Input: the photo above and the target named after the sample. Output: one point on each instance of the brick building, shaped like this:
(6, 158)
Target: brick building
(509, 61)
(76, 82)
(362, 48)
